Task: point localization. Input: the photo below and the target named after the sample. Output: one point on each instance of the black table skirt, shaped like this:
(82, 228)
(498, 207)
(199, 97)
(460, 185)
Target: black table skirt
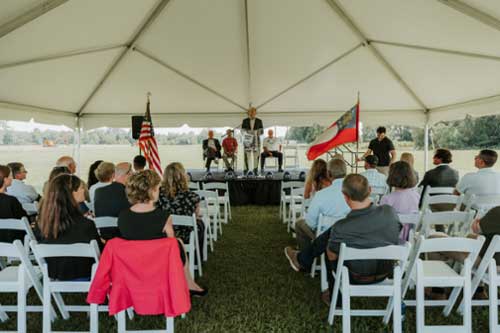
(254, 192)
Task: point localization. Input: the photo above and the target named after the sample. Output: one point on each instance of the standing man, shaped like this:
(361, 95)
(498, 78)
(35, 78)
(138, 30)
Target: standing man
(272, 148)
(230, 146)
(253, 128)
(139, 163)
(383, 148)
(23, 192)
(211, 149)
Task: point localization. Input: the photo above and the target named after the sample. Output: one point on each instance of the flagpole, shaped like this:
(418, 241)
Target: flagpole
(357, 135)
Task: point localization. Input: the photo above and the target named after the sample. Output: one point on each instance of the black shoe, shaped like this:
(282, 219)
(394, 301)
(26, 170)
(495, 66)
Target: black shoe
(196, 293)
(255, 171)
(280, 170)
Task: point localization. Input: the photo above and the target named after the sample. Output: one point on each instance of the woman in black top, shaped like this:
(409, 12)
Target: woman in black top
(60, 221)
(176, 198)
(143, 220)
(10, 207)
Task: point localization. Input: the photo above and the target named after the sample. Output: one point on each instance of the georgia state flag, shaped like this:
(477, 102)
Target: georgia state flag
(344, 130)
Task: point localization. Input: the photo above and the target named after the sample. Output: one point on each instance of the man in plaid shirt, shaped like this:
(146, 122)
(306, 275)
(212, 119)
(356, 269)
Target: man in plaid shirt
(375, 178)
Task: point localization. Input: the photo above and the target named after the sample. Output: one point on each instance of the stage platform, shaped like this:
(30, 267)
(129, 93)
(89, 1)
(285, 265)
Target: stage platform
(254, 190)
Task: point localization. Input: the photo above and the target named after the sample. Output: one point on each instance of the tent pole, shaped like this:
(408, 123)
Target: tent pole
(77, 145)
(426, 146)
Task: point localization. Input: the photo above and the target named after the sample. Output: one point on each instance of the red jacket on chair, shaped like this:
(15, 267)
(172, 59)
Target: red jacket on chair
(147, 275)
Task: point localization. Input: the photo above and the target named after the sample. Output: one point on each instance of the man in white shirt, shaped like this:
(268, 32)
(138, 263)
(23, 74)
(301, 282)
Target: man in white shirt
(486, 180)
(272, 148)
(329, 202)
(375, 179)
(23, 192)
(68, 162)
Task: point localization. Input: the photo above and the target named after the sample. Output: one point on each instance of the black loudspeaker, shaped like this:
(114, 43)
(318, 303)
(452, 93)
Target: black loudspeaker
(136, 126)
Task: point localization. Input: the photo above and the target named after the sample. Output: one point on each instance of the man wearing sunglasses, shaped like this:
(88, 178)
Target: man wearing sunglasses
(23, 192)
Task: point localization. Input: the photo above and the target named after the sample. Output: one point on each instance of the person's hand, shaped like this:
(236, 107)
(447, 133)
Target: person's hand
(269, 153)
(476, 228)
(360, 159)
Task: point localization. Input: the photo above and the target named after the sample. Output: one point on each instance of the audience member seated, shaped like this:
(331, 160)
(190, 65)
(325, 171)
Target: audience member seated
(366, 226)
(375, 178)
(112, 199)
(317, 178)
(211, 149)
(230, 146)
(144, 221)
(176, 199)
(92, 179)
(56, 171)
(328, 201)
(105, 173)
(10, 207)
(23, 192)
(404, 197)
(485, 180)
(67, 161)
(408, 158)
(441, 176)
(139, 163)
(272, 148)
(60, 221)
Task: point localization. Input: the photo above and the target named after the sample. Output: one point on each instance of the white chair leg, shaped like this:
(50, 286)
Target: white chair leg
(60, 304)
(313, 268)
(46, 308)
(397, 319)
(324, 281)
(170, 324)
(420, 297)
(467, 297)
(94, 318)
(3, 315)
(493, 296)
(346, 304)
(121, 322)
(451, 301)
(21, 308)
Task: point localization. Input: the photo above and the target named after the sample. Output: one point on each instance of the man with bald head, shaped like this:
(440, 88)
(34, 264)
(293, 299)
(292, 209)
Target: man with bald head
(252, 128)
(112, 199)
(211, 149)
(67, 161)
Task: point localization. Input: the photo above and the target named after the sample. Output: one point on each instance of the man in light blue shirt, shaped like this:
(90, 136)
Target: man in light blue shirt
(376, 179)
(486, 180)
(329, 201)
(23, 192)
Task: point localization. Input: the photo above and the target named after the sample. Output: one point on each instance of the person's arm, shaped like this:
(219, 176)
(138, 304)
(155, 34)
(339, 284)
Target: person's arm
(205, 144)
(31, 193)
(307, 190)
(332, 256)
(393, 156)
(217, 145)
(368, 152)
(312, 215)
(169, 227)
(476, 226)
(17, 209)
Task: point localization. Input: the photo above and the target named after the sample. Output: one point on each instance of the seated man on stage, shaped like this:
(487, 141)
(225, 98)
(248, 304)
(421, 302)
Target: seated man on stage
(211, 149)
(272, 148)
(230, 146)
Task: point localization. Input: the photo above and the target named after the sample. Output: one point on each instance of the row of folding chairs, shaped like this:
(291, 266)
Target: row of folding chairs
(31, 271)
(222, 190)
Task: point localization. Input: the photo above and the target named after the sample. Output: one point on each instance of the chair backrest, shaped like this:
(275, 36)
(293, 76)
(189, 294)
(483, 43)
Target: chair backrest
(439, 190)
(215, 186)
(444, 199)
(459, 220)
(488, 256)
(291, 185)
(184, 220)
(481, 203)
(204, 194)
(11, 249)
(86, 250)
(390, 252)
(30, 207)
(297, 192)
(106, 222)
(19, 224)
(411, 218)
(194, 186)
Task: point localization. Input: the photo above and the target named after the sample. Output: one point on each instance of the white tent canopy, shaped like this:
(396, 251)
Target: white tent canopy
(299, 62)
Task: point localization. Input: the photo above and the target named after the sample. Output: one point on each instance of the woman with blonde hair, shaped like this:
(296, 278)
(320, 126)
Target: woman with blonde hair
(408, 158)
(176, 198)
(145, 221)
(317, 178)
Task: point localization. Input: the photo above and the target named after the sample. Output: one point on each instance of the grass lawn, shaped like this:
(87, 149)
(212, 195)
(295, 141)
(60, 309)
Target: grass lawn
(253, 289)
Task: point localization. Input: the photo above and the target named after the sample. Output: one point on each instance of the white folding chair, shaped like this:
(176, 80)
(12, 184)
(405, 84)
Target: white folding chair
(487, 273)
(31, 207)
(429, 191)
(19, 224)
(194, 186)
(377, 193)
(412, 220)
(435, 273)
(481, 203)
(223, 199)
(20, 279)
(449, 199)
(387, 288)
(295, 209)
(193, 247)
(457, 222)
(209, 207)
(122, 325)
(285, 199)
(324, 224)
(271, 162)
(55, 288)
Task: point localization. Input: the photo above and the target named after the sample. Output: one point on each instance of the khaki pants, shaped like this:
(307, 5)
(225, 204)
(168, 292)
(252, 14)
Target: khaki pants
(305, 235)
(226, 158)
(383, 169)
(457, 256)
(254, 156)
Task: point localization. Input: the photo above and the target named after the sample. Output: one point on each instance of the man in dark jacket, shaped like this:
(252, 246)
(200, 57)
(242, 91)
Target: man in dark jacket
(252, 128)
(211, 149)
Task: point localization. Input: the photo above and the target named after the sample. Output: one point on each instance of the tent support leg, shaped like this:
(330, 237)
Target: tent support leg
(426, 146)
(76, 144)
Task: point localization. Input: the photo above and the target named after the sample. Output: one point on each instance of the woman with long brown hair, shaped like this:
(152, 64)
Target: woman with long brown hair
(317, 178)
(10, 207)
(60, 221)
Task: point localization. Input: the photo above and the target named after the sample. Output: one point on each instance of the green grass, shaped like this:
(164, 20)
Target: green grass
(253, 289)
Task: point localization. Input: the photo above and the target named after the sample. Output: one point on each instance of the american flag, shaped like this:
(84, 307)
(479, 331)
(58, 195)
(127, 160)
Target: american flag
(147, 143)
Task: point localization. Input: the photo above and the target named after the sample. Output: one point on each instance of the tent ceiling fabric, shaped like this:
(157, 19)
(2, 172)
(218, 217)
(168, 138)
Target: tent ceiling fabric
(204, 62)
